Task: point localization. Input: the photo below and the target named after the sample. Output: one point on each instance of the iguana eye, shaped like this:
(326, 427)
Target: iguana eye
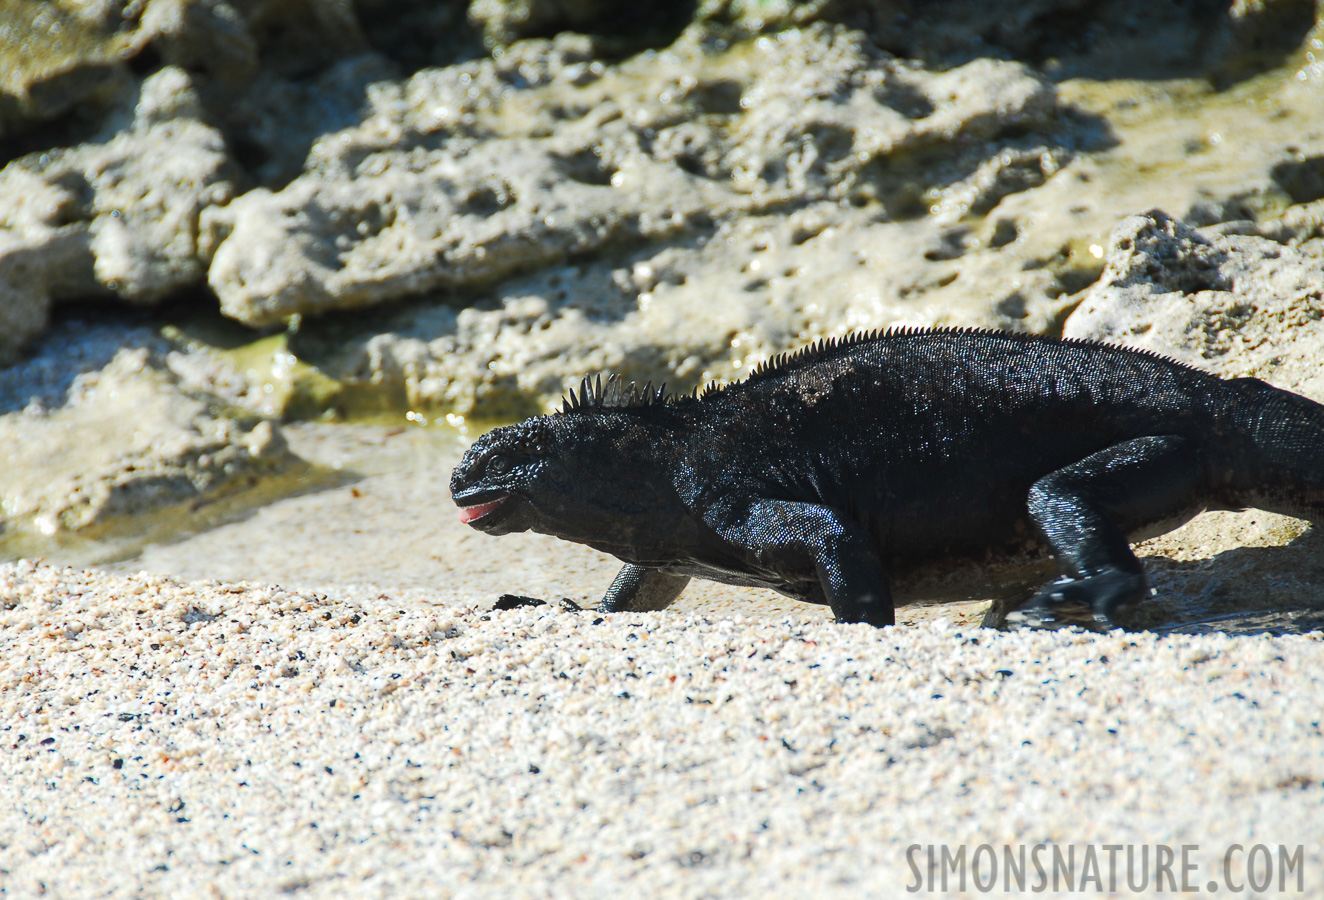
(497, 464)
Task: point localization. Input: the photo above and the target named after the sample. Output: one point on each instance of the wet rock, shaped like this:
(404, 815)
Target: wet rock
(128, 443)
(1236, 304)
(119, 216)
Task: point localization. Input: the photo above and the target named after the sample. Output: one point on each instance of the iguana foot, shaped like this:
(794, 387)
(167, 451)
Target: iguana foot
(516, 601)
(1086, 603)
(1052, 616)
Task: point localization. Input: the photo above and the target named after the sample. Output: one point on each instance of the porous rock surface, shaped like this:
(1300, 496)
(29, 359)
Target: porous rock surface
(1121, 38)
(75, 57)
(112, 217)
(1236, 302)
(462, 176)
(688, 212)
(580, 203)
(613, 202)
(53, 57)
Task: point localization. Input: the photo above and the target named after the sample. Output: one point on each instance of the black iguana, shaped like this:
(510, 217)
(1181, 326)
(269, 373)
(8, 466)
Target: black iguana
(831, 467)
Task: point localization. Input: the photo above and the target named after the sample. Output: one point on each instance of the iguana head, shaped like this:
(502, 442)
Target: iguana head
(501, 483)
(577, 474)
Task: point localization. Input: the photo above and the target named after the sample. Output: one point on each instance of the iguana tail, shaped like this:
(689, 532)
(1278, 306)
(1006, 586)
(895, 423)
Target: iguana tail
(1282, 464)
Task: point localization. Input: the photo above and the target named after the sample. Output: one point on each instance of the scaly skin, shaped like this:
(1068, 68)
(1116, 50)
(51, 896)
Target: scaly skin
(830, 468)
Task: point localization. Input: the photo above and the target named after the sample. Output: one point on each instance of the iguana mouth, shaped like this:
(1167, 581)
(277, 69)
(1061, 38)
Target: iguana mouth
(471, 514)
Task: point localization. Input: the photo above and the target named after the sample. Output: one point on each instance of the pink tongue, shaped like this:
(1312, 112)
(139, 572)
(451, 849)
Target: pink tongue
(469, 513)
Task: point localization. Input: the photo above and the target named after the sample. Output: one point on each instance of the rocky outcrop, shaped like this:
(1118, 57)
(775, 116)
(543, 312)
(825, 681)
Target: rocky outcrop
(112, 217)
(1117, 39)
(53, 59)
(70, 56)
(606, 205)
(462, 176)
(128, 443)
(551, 213)
(364, 188)
(1229, 302)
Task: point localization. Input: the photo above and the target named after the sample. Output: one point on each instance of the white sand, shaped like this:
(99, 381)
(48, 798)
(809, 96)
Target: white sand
(207, 739)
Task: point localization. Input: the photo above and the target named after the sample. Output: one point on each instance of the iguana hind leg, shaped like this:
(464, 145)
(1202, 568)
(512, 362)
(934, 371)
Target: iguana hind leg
(1085, 513)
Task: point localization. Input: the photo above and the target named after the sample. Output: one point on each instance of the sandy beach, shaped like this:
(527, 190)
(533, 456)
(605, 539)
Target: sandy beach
(165, 738)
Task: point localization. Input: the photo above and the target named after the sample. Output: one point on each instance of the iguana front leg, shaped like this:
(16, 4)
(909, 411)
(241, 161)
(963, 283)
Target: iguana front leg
(786, 536)
(636, 589)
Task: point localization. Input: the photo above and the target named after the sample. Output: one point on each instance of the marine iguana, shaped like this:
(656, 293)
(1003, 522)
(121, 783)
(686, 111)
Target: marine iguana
(830, 467)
